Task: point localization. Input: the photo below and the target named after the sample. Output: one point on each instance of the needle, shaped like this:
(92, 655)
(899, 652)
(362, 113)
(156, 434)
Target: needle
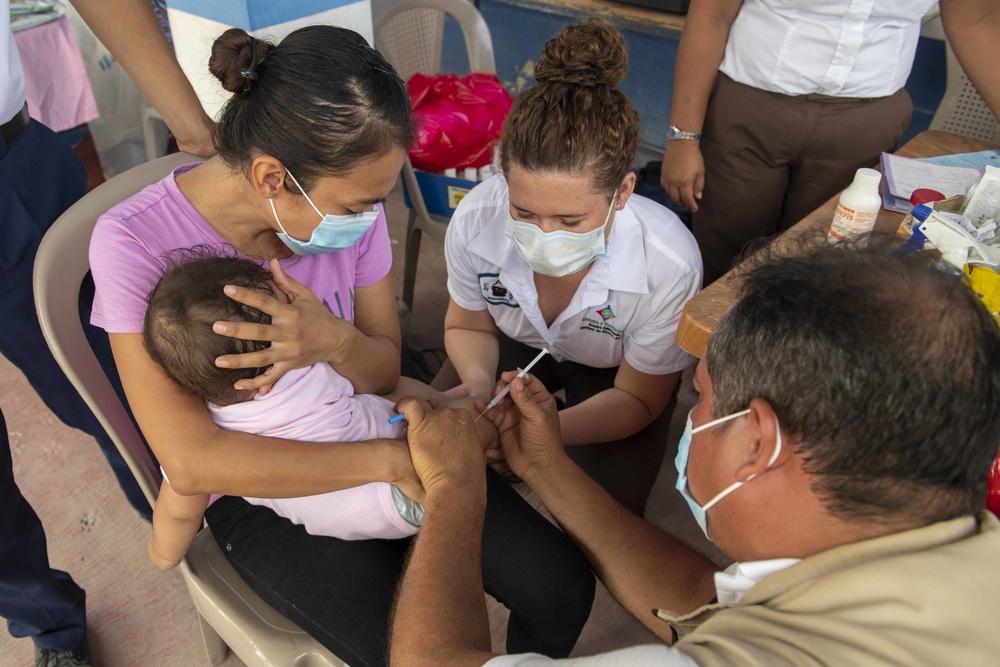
(506, 390)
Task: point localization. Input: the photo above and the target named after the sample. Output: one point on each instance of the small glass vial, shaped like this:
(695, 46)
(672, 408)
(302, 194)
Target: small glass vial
(858, 207)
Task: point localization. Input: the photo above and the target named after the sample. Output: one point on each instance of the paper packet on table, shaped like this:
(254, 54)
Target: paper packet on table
(904, 175)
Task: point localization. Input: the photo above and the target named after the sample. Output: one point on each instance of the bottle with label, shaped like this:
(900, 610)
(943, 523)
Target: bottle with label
(858, 207)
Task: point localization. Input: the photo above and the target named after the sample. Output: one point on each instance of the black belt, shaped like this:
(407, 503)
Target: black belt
(13, 128)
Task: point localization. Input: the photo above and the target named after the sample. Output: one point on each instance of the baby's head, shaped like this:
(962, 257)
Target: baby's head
(185, 304)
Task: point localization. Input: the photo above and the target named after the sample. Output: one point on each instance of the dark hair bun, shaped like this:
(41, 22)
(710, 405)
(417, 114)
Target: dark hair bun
(232, 55)
(589, 53)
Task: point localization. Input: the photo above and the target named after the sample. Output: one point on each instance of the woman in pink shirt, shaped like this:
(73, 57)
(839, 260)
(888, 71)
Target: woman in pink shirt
(308, 146)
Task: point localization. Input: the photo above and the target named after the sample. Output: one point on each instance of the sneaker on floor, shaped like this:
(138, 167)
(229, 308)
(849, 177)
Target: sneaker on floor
(46, 657)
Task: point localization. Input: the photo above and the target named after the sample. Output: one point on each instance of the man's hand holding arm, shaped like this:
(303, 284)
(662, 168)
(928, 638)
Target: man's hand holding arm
(642, 566)
(440, 616)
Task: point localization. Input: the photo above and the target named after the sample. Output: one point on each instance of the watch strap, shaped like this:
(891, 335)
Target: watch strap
(674, 132)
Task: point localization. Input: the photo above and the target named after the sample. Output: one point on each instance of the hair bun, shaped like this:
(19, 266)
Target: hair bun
(589, 53)
(232, 54)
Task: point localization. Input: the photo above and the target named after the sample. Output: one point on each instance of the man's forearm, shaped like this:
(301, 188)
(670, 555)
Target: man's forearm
(973, 27)
(702, 46)
(145, 54)
(642, 566)
(440, 616)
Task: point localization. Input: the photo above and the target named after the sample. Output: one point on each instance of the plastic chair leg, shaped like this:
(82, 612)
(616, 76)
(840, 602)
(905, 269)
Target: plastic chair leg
(413, 234)
(215, 646)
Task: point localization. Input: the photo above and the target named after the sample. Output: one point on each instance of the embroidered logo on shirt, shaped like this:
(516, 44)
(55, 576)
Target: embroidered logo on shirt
(494, 291)
(601, 325)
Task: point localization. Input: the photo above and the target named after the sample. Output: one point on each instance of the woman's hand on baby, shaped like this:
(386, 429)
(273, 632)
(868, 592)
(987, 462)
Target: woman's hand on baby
(301, 332)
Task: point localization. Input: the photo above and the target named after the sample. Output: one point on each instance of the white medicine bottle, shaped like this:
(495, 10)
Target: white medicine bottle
(858, 207)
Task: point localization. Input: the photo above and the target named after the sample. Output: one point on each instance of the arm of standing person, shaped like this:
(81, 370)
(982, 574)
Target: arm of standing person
(702, 46)
(642, 566)
(973, 27)
(470, 339)
(304, 332)
(634, 402)
(200, 457)
(129, 29)
(438, 619)
(176, 521)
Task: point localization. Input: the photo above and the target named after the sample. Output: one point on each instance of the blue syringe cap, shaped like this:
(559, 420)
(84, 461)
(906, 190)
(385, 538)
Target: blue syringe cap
(921, 211)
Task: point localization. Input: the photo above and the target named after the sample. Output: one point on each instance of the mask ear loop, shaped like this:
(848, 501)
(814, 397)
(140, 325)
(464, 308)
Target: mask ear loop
(303, 191)
(738, 484)
(276, 218)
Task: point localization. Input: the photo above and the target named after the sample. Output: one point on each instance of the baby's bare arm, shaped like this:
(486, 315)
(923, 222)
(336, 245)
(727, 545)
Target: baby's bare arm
(176, 521)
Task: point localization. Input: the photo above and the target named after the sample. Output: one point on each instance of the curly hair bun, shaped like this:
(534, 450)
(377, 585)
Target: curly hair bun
(232, 55)
(589, 53)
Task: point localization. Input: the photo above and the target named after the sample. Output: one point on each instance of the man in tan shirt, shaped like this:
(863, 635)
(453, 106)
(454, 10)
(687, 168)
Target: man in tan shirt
(838, 452)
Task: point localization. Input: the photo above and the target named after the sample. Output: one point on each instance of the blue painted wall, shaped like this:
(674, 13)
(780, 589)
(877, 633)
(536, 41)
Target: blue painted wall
(519, 35)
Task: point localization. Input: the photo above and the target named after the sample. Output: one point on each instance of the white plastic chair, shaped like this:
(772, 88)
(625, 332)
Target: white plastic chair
(962, 109)
(230, 614)
(409, 34)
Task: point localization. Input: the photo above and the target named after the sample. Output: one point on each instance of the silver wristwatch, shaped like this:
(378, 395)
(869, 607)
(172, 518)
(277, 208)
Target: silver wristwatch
(674, 133)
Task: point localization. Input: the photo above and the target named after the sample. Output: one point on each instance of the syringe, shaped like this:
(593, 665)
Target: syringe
(506, 390)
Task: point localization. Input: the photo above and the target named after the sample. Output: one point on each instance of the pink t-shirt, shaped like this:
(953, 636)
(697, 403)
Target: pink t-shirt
(130, 240)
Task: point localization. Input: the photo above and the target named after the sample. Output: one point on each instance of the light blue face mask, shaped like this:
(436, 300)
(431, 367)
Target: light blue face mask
(335, 232)
(681, 463)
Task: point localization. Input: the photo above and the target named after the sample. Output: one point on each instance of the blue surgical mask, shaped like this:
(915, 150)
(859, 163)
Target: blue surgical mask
(335, 232)
(681, 463)
(559, 253)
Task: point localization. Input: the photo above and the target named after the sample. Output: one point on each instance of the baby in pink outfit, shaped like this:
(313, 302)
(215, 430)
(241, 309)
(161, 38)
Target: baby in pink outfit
(312, 404)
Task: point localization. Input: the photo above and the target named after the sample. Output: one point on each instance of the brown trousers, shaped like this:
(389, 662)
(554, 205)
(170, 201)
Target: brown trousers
(771, 159)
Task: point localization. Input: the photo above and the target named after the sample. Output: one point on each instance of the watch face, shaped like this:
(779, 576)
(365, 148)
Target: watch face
(672, 132)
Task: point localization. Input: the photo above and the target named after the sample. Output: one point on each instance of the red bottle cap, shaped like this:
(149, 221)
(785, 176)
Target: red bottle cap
(925, 196)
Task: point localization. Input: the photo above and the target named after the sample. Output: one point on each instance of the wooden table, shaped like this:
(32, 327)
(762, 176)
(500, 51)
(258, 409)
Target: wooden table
(704, 311)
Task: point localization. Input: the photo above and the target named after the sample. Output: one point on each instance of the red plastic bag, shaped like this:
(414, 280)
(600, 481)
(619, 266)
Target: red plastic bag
(458, 119)
(993, 490)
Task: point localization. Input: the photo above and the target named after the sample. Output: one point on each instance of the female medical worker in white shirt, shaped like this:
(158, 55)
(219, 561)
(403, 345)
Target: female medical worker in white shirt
(557, 252)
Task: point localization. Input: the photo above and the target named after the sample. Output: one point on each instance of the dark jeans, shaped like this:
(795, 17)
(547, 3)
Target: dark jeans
(342, 592)
(626, 468)
(40, 177)
(38, 601)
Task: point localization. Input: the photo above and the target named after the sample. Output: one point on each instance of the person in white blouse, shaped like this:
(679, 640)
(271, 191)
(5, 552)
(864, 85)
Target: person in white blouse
(776, 103)
(557, 252)
(838, 452)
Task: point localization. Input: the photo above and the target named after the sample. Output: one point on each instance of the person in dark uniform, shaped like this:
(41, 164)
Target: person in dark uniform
(40, 177)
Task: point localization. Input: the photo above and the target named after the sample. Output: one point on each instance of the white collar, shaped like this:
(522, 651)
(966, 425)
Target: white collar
(736, 580)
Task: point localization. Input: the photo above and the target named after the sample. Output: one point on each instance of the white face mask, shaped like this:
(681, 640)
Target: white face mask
(559, 253)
